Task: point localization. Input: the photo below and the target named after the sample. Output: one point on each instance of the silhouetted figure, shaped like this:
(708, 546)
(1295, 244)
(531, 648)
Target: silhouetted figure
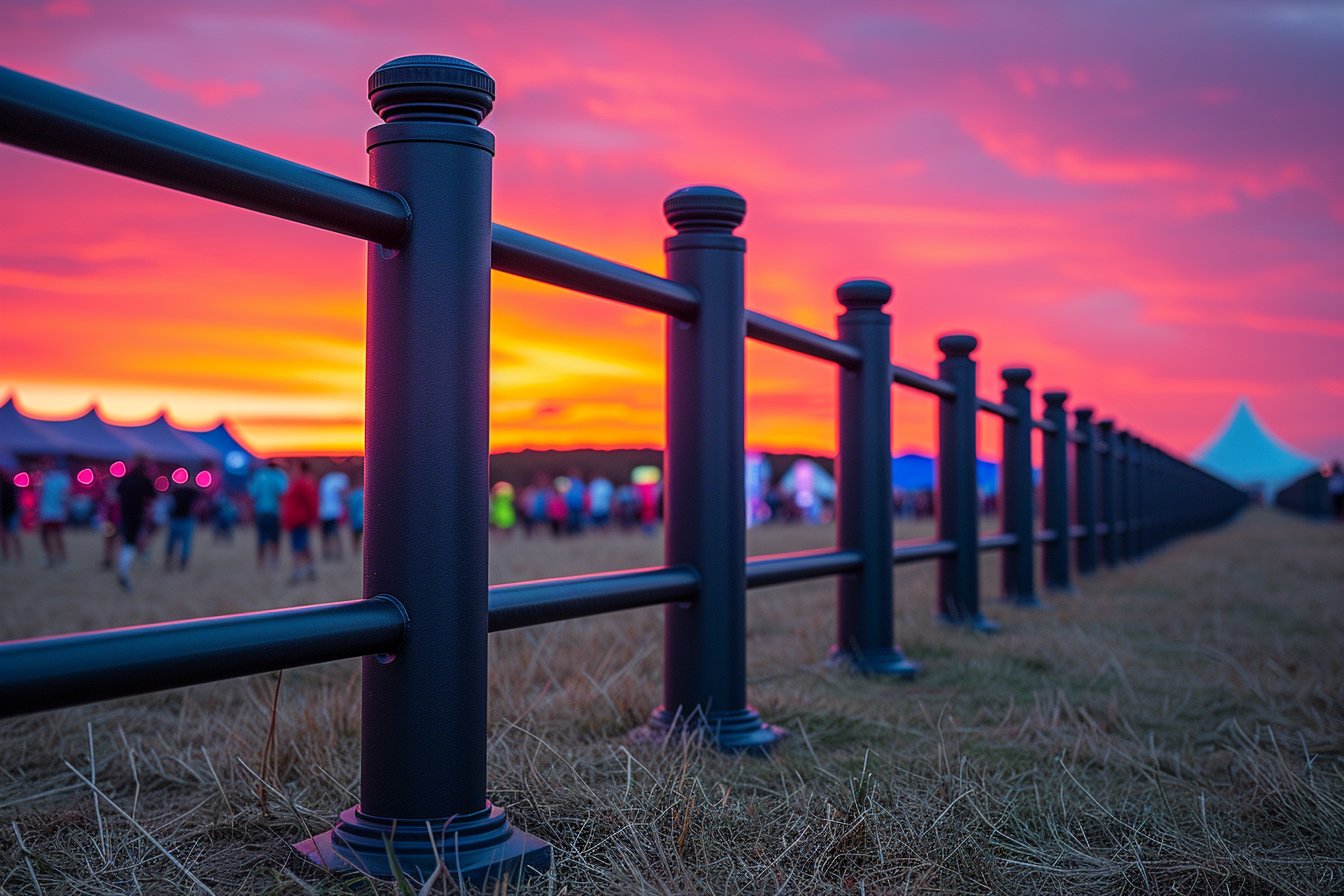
(10, 546)
(298, 514)
(266, 487)
(135, 493)
(1334, 485)
(181, 524)
(354, 512)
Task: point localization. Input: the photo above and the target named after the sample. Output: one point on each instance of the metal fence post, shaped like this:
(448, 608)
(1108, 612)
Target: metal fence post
(865, 631)
(704, 642)
(1056, 500)
(423, 729)
(1085, 490)
(1017, 495)
(958, 504)
(1109, 544)
(1125, 495)
(1138, 509)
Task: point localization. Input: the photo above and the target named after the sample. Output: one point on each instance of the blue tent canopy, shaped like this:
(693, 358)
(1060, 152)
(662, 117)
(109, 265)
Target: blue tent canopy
(916, 473)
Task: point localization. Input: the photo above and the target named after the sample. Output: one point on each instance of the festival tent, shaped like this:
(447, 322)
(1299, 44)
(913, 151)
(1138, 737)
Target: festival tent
(810, 486)
(238, 461)
(168, 444)
(92, 438)
(25, 437)
(916, 473)
(1246, 454)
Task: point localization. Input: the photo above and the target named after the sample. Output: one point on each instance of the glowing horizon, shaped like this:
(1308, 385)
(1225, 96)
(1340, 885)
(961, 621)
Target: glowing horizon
(1150, 218)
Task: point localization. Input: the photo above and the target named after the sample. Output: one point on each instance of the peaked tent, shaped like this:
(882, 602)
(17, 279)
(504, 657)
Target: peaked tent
(23, 437)
(167, 444)
(1247, 454)
(92, 438)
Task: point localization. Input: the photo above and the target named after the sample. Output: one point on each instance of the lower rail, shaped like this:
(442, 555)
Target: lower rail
(550, 600)
(67, 670)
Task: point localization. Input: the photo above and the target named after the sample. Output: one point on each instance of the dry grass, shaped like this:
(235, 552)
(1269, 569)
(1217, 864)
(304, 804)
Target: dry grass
(1176, 727)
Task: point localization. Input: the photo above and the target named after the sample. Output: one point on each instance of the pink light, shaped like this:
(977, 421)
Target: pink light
(118, 469)
(22, 480)
(203, 479)
(180, 475)
(85, 476)
(161, 483)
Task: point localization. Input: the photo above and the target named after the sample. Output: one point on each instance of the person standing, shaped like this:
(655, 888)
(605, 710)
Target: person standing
(266, 487)
(181, 524)
(134, 494)
(10, 546)
(53, 507)
(298, 513)
(331, 489)
(354, 512)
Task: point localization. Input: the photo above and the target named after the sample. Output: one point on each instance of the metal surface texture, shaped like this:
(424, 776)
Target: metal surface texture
(957, 500)
(779, 569)
(520, 604)
(774, 332)
(56, 121)
(1055, 478)
(1017, 494)
(67, 670)
(704, 642)
(423, 726)
(921, 549)
(865, 637)
(525, 255)
(904, 376)
(1085, 490)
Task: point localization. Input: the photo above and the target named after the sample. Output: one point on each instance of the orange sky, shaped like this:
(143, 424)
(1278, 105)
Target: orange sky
(1150, 217)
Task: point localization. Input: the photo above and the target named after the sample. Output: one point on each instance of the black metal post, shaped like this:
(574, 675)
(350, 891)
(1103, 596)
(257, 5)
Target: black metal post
(704, 641)
(1016, 493)
(1110, 543)
(865, 630)
(1056, 500)
(1085, 490)
(423, 730)
(1125, 494)
(958, 505)
(1137, 508)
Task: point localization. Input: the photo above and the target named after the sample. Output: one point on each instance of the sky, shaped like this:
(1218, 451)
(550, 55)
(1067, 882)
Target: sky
(1143, 201)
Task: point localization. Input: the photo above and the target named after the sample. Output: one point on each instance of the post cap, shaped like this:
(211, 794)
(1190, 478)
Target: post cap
(431, 88)
(957, 345)
(1108, 424)
(1083, 415)
(704, 208)
(1016, 376)
(1055, 397)
(868, 293)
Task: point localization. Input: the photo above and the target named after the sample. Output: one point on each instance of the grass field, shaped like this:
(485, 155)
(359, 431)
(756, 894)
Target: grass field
(1175, 727)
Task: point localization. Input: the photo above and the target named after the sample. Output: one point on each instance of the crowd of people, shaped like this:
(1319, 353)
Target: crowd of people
(569, 505)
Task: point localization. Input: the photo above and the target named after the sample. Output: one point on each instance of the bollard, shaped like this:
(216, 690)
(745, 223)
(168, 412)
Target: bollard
(704, 641)
(1109, 544)
(423, 728)
(958, 505)
(865, 630)
(1085, 490)
(1056, 500)
(1017, 499)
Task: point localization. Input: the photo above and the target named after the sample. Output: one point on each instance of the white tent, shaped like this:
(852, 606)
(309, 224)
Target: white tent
(1248, 455)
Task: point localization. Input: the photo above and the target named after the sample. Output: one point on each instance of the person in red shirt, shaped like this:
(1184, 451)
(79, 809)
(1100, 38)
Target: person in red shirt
(298, 514)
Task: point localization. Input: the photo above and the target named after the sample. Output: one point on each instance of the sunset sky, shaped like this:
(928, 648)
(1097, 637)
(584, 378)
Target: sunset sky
(1144, 201)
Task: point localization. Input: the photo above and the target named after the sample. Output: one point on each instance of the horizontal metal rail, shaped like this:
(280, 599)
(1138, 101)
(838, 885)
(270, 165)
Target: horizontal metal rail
(1007, 412)
(54, 120)
(521, 604)
(67, 670)
(998, 541)
(800, 340)
(911, 551)
(903, 376)
(776, 569)
(1046, 536)
(525, 255)
(1045, 426)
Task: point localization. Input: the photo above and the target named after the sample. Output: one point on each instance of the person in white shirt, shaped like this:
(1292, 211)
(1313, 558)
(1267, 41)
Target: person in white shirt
(331, 489)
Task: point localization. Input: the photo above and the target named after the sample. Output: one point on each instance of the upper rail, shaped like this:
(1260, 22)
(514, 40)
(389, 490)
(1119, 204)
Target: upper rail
(903, 376)
(805, 342)
(57, 121)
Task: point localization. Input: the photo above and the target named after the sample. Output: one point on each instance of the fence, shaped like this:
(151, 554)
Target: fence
(427, 610)
(1308, 495)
